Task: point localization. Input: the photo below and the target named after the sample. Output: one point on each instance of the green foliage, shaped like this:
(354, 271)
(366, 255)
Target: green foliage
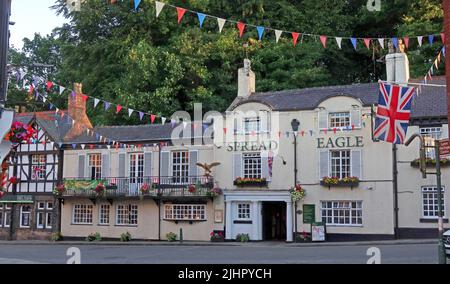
(171, 237)
(155, 64)
(94, 237)
(243, 238)
(55, 237)
(125, 237)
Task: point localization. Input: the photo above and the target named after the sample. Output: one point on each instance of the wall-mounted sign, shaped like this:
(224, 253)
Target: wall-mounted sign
(309, 213)
(218, 216)
(17, 199)
(252, 146)
(340, 142)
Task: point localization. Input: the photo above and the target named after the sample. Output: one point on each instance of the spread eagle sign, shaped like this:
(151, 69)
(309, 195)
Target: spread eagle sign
(393, 113)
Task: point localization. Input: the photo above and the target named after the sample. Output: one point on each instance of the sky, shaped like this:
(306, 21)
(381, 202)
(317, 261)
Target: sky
(32, 16)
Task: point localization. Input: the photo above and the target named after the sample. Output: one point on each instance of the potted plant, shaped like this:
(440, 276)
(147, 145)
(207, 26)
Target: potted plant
(100, 189)
(242, 182)
(59, 190)
(20, 132)
(215, 192)
(145, 189)
(297, 193)
(217, 236)
(171, 237)
(302, 237)
(192, 188)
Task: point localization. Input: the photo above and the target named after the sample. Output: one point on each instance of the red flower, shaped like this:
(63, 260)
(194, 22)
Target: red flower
(13, 180)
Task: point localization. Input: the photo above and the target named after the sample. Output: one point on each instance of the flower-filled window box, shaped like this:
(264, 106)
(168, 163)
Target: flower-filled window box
(340, 182)
(430, 163)
(250, 182)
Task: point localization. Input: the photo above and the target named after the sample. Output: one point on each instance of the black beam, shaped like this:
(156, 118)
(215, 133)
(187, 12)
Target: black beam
(5, 12)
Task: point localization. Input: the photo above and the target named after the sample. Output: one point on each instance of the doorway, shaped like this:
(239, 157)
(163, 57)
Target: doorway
(274, 221)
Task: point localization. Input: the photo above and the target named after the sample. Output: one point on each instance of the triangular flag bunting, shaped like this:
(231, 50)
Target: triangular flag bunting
(323, 39)
(339, 42)
(61, 90)
(130, 112)
(84, 98)
(354, 42)
(381, 42)
(221, 23)
(201, 18)
(241, 28)
(431, 39)
(419, 40)
(395, 42)
(367, 42)
(96, 102)
(30, 92)
(443, 37)
(49, 85)
(406, 41)
(107, 105)
(260, 32)
(278, 35)
(136, 4)
(163, 120)
(295, 38)
(152, 118)
(159, 7)
(118, 108)
(141, 115)
(180, 12)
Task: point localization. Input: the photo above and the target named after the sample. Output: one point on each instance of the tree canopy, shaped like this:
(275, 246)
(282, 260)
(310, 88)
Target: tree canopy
(157, 65)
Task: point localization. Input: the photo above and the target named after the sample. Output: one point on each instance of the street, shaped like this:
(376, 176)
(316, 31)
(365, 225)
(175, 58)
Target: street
(253, 253)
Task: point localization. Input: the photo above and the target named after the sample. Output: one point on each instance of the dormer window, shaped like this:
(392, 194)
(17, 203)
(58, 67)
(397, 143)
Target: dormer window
(339, 120)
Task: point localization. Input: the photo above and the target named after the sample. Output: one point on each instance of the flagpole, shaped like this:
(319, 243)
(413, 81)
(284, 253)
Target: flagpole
(446, 8)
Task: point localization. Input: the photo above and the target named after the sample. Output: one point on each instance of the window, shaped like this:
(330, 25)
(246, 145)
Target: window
(25, 214)
(187, 212)
(431, 134)
(243, 211)
(430, 202)
(44, 215)
(252, 125)
(82, 214)
(38, 167)
(104, 214)
(252, 165)
(180, 167)
(340, 163)
(127, 214)
(95, 166)
(136, 168)
(342, 213)
(5, 215)
(339, 120)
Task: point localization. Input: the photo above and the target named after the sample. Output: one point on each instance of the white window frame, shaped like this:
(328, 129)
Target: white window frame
(252, 125)
(433, 190)
(22, 215)
(338, 120)
(254, 162)
(122, 210)
(350, 216)
(341, 163)
(95, 164)
(136, 168)
(104, 214)
(47, 224)
(38, 161)
(185, 212)
(180, 166)
(431, 134)
(87, 209)
(244, 214)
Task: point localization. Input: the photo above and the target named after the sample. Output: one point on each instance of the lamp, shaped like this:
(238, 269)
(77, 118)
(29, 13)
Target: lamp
(295, 124)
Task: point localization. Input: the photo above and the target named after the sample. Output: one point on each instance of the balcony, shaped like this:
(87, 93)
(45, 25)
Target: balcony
(158, 187)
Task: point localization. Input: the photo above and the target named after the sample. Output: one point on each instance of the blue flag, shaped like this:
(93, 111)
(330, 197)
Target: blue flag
(431, 39)
(354, 42)
(136, 4)
(201, 18)
(395, 42)
(260, 31)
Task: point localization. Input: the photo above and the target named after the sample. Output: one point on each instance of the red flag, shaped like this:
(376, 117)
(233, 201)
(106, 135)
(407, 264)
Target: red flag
(225, 131)
(30, 92)
(152, 118)
(180, 12)
(49, 85)
(118, 108)
(406, 40)
(443, 37)
(367, 42)
(84, 97)
(91, 146)
(241, 27)
(295, 38)
(323, 39)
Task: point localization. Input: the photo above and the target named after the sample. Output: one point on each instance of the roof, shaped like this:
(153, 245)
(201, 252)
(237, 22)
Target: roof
(432, 101)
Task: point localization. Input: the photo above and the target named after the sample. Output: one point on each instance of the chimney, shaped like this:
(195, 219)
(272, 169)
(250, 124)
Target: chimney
(77, 112)
(246, 80)
(397, 64)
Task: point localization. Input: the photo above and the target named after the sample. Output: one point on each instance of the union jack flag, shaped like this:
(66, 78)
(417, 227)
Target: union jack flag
(393, 113)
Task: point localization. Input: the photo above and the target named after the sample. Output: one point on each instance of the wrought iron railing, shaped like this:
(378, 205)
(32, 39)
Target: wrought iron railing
(131, 187)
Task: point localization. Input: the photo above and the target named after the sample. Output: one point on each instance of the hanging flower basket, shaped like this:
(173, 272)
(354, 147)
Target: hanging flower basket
(192, 188)
(59, 190)
(145, 189)
(215, 192)
(100, 189)
(298, 193)
(20, 132)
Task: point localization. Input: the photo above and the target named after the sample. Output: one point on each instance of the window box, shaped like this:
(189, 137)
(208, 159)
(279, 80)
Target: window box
(430, 163)
(251, 182)
(337, 182)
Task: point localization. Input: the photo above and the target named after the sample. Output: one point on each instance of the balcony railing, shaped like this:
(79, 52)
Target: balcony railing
(131, 187)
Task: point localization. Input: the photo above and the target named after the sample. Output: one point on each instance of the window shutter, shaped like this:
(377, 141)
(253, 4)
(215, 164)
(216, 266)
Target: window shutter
(105, 166)
(355, 118)
(237, 165)
(165, 164)
(356, 163)
(324, 164)
(322, 118)
(264, 118)
(193, 169)
(265, 166)
(81, 166)
(148, 164)
(122, 165)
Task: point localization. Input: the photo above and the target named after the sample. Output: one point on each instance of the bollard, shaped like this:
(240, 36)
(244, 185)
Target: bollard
(181, 235)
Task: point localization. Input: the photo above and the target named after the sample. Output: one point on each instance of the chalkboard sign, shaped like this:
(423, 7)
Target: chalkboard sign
(318, 232)
(309, 213)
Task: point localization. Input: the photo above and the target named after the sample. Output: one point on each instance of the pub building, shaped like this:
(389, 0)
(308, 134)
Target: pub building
(263, 145)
